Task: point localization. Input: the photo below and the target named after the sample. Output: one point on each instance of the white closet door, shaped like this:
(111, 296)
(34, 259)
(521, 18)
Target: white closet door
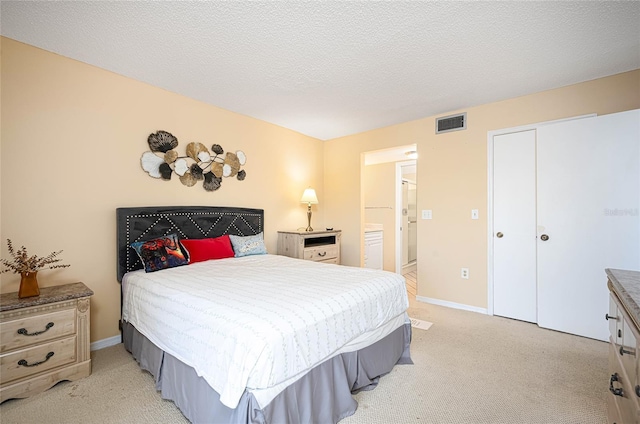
(514, 224)
(588, 202)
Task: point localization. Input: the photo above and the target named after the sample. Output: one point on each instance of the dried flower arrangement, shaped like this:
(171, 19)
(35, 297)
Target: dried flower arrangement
(207, 166)
(23, 263)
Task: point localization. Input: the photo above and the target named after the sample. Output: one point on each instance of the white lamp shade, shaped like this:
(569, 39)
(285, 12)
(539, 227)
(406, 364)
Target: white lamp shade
(309, 196)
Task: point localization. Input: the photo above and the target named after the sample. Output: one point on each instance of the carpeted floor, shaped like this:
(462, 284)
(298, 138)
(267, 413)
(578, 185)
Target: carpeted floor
(469, 368)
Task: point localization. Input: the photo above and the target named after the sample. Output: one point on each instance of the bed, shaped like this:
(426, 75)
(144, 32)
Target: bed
(259, 338)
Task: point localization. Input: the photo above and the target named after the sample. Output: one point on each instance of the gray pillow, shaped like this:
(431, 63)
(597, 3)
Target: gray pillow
(249, 245)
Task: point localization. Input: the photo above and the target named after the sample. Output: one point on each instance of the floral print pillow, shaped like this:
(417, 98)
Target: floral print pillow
(248, 245)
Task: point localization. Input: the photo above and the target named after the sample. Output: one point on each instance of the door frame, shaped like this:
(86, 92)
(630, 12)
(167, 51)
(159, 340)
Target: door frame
(398, 219)
(490, 230)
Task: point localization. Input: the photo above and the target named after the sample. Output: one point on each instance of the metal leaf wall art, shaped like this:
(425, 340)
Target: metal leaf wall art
(199, 164)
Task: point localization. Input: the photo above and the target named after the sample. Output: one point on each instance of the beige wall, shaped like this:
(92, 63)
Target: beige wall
(72, 137)
(452, 179)
(379, 192)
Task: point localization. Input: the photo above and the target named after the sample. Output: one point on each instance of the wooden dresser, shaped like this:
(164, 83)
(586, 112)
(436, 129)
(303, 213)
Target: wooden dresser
(319, 246)
(623, 399)
(43, 339)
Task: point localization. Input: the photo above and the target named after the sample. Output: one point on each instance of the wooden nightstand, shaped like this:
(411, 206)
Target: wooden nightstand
(43, 339)
(319, 246)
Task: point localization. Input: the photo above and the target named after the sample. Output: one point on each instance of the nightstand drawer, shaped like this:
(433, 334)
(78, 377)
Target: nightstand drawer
(27, 331)
(321, 253)
(330, 261)
(27, 362)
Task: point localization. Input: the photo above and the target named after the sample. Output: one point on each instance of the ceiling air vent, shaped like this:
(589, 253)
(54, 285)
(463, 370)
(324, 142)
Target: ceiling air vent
(451, 123)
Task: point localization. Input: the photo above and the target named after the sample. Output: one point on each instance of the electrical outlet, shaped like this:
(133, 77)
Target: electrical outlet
(464, 273)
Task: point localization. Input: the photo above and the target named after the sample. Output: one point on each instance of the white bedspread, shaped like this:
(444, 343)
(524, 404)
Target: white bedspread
(256, 321)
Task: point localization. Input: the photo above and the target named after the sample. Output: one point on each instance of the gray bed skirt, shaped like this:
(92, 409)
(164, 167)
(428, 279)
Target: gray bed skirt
(323, 395)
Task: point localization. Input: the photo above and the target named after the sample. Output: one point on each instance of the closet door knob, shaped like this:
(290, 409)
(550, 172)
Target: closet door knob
(544, 237)
(499, 235)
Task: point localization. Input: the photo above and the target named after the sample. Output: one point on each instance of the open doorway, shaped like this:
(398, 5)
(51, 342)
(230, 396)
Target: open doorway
(407, 222)
(388, 214)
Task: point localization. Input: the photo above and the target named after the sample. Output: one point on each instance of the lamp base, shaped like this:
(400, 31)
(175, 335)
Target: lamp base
(309, 219)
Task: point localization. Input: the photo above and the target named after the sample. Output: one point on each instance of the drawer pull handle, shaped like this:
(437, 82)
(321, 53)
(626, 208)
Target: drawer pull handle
(24, 363)
(608, 317)
(616, 391)
(628, 352)
(323, 254)
(24, 331)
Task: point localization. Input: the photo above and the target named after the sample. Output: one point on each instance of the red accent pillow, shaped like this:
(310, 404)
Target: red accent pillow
(209, 248)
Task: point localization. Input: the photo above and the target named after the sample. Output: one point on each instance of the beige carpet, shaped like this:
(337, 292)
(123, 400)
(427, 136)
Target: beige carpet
(469, 368)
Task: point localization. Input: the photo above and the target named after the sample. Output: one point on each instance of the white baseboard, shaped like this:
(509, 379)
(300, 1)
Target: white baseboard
(452, 304)
(101, 344)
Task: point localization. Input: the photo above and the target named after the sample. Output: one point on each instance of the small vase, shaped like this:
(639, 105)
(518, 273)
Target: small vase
(28, 285)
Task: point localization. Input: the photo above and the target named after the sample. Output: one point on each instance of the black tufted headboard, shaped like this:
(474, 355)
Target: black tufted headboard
(146, 223)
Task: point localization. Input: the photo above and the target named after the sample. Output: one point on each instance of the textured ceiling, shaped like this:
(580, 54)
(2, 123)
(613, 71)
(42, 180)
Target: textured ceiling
(334, 68)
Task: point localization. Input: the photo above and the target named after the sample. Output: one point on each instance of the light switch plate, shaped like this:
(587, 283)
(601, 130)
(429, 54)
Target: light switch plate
(474, 213)
(427, 214)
